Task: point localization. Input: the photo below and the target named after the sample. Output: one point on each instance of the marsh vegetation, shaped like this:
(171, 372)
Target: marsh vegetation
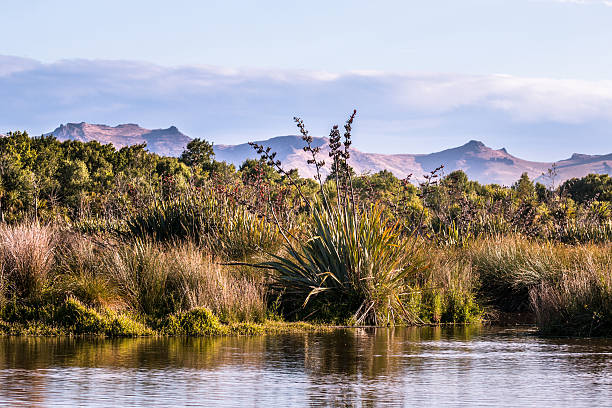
(122, 243)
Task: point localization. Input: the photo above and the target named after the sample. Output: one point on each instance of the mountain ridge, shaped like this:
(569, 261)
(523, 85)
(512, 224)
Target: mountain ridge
(480, 162)
(168, 142)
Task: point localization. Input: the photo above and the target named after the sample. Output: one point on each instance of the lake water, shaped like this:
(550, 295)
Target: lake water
(468, 366)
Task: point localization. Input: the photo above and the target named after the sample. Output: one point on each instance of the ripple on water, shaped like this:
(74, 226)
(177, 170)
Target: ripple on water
(405, 366)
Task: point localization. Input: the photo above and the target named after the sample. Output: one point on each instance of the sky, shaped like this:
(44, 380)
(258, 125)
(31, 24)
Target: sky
(534, 76)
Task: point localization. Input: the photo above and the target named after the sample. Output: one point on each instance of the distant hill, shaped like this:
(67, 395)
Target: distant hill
(479, 161)
(167, 142)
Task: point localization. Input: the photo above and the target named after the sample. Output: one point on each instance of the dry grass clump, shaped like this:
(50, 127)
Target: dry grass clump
(579, 300)
(201, 282)
(81, 272)
(26, 259)
(157, 280)
(507, 267)
(140, 274)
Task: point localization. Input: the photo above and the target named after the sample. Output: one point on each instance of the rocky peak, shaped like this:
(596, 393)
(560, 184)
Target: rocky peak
(474, 145)
(169, 141)
(580, 156)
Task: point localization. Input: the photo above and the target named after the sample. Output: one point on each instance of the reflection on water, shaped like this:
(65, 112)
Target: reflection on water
(403, 366)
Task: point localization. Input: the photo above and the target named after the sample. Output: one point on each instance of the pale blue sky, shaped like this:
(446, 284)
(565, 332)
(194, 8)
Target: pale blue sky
(534, 76)
(559, 39)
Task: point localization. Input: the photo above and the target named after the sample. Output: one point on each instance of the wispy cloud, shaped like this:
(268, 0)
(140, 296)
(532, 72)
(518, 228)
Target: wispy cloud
(604, 2)
(417, 112)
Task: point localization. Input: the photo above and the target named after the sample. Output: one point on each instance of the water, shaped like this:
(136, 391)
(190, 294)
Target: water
(383, 367)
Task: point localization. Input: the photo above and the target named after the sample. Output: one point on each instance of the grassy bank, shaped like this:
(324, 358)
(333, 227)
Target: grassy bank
(58, 281)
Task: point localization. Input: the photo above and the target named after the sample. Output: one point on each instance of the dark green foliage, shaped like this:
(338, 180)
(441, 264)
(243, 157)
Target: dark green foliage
(524, 188)
(591, 187)
(216, 223)
(196, 322)
(67, 317)
(44, 178)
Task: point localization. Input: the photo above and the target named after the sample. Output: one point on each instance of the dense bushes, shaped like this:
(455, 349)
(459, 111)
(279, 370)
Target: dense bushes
(217, 224)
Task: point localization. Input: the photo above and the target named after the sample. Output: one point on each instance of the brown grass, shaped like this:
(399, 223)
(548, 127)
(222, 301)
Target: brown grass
(579, 300)
(156, 279)
(201, 281)
(26, 259)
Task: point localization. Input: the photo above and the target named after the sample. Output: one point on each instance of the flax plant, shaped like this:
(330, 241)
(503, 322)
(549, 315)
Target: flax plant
(354, 259)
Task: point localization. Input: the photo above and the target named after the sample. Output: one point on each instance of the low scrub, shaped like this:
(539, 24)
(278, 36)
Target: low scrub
(67, 317)
(196, 322)
(223, 227)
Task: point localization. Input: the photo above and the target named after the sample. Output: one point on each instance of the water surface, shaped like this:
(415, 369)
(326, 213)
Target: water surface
(467, 366)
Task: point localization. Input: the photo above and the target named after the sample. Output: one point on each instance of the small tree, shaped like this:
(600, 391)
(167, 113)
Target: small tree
(199, 154)
(524, 188)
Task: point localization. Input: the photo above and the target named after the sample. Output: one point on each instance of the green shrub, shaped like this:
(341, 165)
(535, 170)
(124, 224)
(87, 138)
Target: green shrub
(80, 319)
(77, 318)
(196, 322)
(67, 317)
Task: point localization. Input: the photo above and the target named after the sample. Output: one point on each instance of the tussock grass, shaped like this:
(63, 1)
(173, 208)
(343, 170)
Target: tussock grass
(81, 272)
(200, 281)
(157, 280)
(26, 259)
(568, 287)
(140, 274)
(578, 301)
(444, 291)
(508, 267)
